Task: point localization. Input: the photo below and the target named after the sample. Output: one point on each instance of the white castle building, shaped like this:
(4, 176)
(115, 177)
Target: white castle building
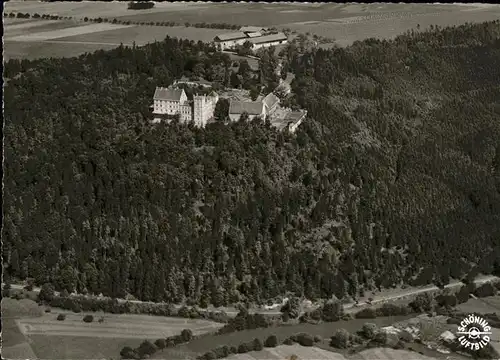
(172, 101)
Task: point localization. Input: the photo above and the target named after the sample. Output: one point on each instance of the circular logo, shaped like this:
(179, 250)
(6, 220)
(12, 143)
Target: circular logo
(473, 332)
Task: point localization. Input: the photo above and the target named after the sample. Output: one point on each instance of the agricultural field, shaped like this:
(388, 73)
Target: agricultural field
(285, 352)
(326, 330)
(486, 305)
(95, 9)
(29, 332)
(26, 38)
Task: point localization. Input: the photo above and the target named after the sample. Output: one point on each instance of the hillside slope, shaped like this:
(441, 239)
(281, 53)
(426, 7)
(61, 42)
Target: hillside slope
(395, 177)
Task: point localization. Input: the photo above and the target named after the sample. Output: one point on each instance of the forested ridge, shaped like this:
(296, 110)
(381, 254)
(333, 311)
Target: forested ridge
(394, 177)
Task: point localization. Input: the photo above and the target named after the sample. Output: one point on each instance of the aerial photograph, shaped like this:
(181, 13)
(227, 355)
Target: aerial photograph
(250, 181)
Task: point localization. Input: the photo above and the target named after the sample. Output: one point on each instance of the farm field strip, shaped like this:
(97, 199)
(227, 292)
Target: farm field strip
(12, 31)
(90, 9)
(55, 41)
(142, 35)
(71, 31)
(119, 326)
(379, 18)
(29, 24)
(285, 352)
(10, 21)
(80, 347)
(46, 49)
(347, 33)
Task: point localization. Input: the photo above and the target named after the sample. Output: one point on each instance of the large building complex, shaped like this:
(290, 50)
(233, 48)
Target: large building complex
(268, 107)
(172, 101)
(256, 36)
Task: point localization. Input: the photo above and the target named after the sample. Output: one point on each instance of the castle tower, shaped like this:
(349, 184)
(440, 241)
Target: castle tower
(198, 110)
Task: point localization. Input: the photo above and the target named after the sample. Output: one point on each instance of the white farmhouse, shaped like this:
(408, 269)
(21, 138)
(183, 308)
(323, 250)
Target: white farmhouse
(230, 40)
(268, 40)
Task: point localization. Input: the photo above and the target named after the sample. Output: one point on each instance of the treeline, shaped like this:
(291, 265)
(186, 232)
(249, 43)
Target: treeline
(393, 179)
(258, 345)
(82, 303)
(369, 336)
(146, 348)
(141, 5)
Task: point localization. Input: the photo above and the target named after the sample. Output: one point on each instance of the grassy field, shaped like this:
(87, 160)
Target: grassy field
(485, 305)
(325, 330)
(14, 344)
(389, 24)
(285, 352)
(345, 23)
(142, 35)
(92, 9)
(29, 332)
(45, 38)
(63, 31)
(114, 325)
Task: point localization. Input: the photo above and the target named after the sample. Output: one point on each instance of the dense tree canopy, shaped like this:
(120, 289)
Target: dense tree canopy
(394, 177)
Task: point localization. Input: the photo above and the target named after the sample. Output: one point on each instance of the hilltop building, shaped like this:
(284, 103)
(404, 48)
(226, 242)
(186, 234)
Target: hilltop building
(252, 108)
(268, 107)
(268, 40)
(172, 101)
(253, 29)
(230, 40)
(257, 36)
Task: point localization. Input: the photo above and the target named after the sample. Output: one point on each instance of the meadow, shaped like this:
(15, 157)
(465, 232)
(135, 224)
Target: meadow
(286, 351)
(345, 23)
(29, 332)
(325, 330)
(484, 305)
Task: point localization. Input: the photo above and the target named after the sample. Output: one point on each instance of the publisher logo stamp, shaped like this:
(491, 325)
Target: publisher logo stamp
(474, 332)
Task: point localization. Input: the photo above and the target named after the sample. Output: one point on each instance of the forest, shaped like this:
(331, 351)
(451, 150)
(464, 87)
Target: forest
(393, 179)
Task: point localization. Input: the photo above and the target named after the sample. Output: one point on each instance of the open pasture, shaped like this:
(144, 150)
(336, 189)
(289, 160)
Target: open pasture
(37, 38)
(142, 35)
(486, 305)
(390, 24)
(14, 344)
(119, 326)
(326, 330)
(75, 339)
(65, 30)
(29, 332)
(285, 352)
(92, 9)
(30, 38)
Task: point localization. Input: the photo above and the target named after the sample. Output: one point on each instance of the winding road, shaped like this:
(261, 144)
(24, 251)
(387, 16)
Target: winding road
(390, 295)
